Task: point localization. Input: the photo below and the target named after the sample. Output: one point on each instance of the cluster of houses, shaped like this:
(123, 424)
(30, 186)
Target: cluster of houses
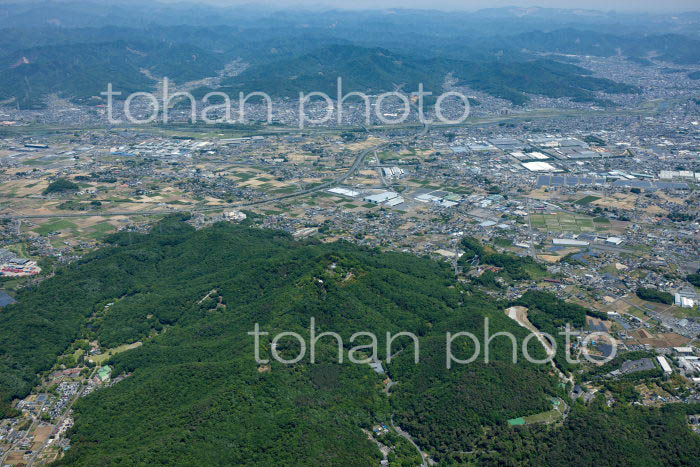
(12, 265)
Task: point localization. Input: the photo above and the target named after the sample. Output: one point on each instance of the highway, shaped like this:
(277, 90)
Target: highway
(357, 163)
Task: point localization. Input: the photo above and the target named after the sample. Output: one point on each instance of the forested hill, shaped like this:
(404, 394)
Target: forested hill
(82, 71)
(376, 70)
(79, 64)
(74, 48)
(196, 396)
(196, 387)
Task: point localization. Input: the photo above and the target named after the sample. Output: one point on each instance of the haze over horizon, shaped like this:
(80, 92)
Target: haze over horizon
(670, 6)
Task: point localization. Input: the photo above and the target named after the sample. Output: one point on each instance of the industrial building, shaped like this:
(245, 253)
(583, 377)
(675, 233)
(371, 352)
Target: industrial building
(686, 298)
(664, 364)
(540, 167)
(382, 197)
(614, 240)
(395, 201)
(344, 192)
(569, 242)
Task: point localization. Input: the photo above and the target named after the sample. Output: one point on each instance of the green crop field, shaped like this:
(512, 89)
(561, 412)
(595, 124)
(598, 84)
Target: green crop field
(100, 230)
(587, 200)
(54, 226)
(566, 222)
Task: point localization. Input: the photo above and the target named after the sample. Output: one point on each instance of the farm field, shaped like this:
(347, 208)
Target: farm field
(565, 222)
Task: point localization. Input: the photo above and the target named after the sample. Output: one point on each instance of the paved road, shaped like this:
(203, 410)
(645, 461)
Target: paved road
(634, 305)
(356, 164)
(19, 442)
(523, 321)
(530, 240)
(61, 419)
(359, 160)
(426, 459)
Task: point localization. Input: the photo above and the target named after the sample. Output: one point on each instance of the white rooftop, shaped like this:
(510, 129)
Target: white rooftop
(539, 167)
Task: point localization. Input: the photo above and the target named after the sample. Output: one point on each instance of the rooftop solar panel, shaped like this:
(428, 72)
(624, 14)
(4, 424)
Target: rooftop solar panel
(543, 180)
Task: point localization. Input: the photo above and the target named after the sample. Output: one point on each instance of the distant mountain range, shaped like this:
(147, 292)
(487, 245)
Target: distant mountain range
(51, 50)
(673, 48)
(82, 71)
(144, 13)
(377, 70)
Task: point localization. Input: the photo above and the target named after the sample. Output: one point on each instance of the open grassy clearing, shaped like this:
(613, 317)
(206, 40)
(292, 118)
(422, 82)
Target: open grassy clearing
(55, 225)
(587, 200)
(100, 359)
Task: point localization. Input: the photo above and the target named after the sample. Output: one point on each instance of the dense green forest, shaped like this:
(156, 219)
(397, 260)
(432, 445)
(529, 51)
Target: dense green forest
(377, 70)
(82, 71)
(74, 48)
(694, 278)
(595, 435)
(196, 396)
(195, 385)
(448, 410)
(79, 65)
(514, 267)
(655, 295)
(551, 314)
(61, 185)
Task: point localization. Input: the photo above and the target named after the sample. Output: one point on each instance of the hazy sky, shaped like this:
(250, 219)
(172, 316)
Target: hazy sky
(619, 5)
